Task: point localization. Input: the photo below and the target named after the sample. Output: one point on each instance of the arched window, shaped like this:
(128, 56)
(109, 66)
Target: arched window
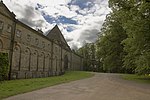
(47, 63)
(54, 66)
(25, 61)
(34, 61)
(16, 58)
(65, 62)
(56, 63)
(41, 62)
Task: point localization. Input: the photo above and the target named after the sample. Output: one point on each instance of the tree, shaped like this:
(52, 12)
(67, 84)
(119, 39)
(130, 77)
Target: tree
(88, 53)
(135, 20)
(137, 45)
(110, 49)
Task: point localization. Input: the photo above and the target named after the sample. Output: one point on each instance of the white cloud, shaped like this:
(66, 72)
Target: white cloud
(89, 19)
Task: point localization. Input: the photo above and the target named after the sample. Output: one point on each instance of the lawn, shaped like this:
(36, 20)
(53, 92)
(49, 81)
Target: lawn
(13, 87)
(137, 78)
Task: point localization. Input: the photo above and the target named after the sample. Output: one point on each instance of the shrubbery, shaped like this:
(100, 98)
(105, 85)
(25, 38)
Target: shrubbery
(4, 63)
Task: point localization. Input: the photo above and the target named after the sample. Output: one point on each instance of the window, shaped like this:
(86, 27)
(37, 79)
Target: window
(9, 28)
(1, 44)
(36, 41)
(56, 49)
(56, 41)
(27, 51)
(18, 33)
(43, 44)
(28, 38)
(1, 25)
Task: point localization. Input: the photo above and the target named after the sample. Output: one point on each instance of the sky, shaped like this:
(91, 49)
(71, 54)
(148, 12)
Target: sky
(80, 21)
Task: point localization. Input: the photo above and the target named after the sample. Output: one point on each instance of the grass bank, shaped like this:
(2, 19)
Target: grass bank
(137, 78)
(13, 87)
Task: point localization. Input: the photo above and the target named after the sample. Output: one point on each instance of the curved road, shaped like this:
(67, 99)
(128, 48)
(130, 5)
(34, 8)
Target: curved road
(102, 86)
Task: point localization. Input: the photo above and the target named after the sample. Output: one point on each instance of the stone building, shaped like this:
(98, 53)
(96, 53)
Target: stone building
(32, 54)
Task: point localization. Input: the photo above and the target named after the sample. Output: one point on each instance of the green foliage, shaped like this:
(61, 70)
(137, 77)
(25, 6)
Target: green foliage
(13, 87)
(88, 53)
(109, 47)
(137, 45)
(124, 42)
(4, 64)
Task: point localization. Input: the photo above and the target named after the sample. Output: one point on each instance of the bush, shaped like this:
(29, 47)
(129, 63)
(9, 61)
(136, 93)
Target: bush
(4, 64)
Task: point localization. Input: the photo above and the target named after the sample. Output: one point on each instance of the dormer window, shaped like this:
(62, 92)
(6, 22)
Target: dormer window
(18, 33)
(9, 28)
(1, 25)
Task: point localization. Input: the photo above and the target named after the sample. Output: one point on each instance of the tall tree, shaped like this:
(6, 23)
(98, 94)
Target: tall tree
(88, 53)
(134, 16)
(110, 49)
(137, 45)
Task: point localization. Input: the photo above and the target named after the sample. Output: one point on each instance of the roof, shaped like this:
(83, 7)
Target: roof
(55, 34)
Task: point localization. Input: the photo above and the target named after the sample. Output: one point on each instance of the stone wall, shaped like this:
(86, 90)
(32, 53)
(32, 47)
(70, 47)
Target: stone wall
(77, 62)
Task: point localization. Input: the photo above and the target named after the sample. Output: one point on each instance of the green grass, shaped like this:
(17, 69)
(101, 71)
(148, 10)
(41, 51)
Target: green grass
(13, 87)
(137, 78)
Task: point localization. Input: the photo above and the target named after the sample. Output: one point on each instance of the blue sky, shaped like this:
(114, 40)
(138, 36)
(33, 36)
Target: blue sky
(79, 20)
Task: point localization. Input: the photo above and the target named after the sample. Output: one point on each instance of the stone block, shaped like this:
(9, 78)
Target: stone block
(28, 74)
(14, 75)
(21, 75)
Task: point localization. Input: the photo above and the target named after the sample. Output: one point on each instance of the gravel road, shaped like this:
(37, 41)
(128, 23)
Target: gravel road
(102, 86)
